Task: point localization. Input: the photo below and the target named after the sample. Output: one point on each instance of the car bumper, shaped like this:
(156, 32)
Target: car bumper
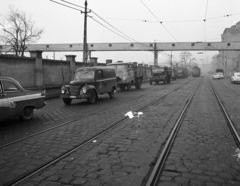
(85, 96)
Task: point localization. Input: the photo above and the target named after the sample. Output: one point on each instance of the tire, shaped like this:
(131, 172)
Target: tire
(129, 86)
(67, 101)
(112, 93)
(138, 83)
(169, 81)
(164, 81)
(93, 97)
(27, 114)
(122, 87)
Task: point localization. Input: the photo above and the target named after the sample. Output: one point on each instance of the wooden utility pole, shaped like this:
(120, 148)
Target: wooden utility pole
(85, 45)
(155, 55)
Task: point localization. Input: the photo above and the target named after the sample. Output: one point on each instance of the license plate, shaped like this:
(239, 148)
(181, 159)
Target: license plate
(72, 96)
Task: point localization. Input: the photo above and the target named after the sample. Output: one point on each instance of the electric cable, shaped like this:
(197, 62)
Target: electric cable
(110, 25)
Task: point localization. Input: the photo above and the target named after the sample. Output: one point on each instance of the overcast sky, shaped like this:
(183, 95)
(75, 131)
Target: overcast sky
(182, 21)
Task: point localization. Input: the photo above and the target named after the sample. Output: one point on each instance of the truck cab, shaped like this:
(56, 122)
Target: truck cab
(128, 74)
(161, 73)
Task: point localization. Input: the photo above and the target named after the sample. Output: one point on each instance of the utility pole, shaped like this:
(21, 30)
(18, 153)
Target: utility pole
(85, 46)
(155, 55)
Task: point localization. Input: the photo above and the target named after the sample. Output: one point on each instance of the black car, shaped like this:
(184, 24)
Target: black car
(88, 83)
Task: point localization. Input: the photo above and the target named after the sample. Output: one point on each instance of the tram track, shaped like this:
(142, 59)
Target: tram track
(153, 179)
(29, 174)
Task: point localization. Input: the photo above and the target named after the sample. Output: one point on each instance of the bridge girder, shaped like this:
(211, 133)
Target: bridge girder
(177, 46)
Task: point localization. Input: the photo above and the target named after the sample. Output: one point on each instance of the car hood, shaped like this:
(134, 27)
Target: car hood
(40, 92)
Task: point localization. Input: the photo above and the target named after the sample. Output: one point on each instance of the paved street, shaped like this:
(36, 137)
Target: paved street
(125, 155)
(204, 149)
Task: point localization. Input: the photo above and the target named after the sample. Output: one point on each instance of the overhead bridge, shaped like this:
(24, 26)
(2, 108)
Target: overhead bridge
(178, 46)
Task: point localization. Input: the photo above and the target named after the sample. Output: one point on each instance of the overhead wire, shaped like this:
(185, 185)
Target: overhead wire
(158, 20)
(125, 36)
(173, 21)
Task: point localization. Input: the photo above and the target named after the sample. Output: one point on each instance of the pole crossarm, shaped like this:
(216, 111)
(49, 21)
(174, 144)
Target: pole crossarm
(177, 46)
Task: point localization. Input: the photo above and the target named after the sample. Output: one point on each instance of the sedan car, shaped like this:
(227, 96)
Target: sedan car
(15, 101)
(235, 78)
(216, 76)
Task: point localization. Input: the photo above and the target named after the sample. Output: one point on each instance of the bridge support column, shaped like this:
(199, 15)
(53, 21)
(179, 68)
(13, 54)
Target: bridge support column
(38, 71)
(71, 59)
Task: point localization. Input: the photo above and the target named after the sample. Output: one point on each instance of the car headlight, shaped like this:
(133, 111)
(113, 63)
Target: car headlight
(83, 90)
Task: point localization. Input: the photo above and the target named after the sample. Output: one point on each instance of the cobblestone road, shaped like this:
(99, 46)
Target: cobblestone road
(204, 149)
(27, 155)
(125, 155)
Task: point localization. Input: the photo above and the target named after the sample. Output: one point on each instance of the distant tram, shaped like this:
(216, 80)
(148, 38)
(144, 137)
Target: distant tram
(196, 71)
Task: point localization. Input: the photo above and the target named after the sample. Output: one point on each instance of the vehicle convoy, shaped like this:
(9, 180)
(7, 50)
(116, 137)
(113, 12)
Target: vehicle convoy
(235, 78)
(161, 73)
(15, 101)
(128, 74)
(220, 72)
(88, 83)
(196, 71)
(182, 72)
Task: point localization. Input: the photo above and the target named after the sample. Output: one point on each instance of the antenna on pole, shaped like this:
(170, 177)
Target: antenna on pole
(86, 53)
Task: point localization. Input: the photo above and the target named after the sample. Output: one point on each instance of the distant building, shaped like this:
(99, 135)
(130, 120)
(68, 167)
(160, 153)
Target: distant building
(228, 57)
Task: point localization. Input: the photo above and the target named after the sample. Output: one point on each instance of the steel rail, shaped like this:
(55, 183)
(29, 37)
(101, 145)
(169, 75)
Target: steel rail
(227, 118)
(153, 178)
(32, 173)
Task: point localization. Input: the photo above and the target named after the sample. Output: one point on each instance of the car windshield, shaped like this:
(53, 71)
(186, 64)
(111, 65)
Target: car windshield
(237, 74)
(158, 70)
(84, 74)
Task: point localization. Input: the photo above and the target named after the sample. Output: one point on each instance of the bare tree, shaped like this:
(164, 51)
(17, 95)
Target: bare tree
(185, 58)
(19, 31)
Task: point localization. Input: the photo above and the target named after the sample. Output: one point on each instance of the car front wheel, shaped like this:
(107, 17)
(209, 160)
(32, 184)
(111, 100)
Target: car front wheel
(93, 97)
(27, 114)
(67, 101)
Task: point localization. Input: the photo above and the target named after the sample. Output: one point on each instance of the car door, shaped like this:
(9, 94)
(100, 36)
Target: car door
(100, 82)
(4, 104)
(15, 96)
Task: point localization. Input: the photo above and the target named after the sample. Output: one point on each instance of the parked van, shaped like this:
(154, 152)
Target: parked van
(88, 83)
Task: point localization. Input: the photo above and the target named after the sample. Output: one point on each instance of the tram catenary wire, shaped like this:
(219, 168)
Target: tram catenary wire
(30, 174)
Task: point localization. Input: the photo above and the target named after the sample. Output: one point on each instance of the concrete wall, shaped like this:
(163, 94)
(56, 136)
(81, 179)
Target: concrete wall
(55, 72)
(35, 72)
(19, 68)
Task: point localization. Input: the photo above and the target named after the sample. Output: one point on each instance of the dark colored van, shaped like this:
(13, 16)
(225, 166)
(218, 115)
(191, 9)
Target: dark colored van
(88, 83)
